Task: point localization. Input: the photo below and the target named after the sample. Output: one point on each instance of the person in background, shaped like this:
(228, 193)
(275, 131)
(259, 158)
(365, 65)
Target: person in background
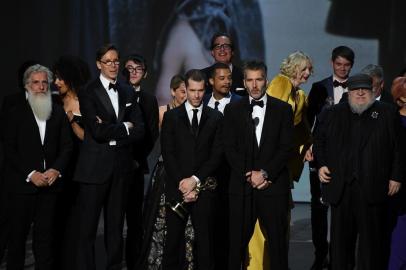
(178, 94)
(135, 71)
(71, 74)
(397, 259)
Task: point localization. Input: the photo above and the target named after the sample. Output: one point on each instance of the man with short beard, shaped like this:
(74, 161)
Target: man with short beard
(37, 142)
(360, 168)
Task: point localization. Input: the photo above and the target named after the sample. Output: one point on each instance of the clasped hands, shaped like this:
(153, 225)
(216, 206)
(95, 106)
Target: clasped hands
(188, 188)
(44, 179)
(257, 180)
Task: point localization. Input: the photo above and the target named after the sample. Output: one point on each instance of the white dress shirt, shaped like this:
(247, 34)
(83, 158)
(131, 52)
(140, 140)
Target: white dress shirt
(222, 102)
(189, 110)
(258, 112)
(338, 91)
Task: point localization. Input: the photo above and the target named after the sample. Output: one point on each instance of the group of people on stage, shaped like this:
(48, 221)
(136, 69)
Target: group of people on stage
(230, 146)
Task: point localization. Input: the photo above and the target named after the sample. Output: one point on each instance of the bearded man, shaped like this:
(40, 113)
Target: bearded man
(37, 142)
(357, 146)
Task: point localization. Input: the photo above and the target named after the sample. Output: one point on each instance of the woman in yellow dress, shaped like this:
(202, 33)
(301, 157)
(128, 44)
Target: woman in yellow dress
(294, 71)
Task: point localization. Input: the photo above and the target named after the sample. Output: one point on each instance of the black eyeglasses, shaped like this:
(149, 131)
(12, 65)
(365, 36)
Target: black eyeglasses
(110, 62)
(225, 47)
(132, 69)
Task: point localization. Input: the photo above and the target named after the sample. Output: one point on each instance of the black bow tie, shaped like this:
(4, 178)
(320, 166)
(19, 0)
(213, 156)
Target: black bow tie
(113, 86)
(337, 84)
(259, 103)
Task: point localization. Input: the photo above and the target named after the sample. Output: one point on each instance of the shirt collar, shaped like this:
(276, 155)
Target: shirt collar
(264, 98)
(105, 82)
(339, 80)
(189, 106)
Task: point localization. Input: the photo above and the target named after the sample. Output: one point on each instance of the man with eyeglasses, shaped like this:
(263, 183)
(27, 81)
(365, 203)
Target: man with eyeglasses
(112, 123)
(135, 71)
(222, 50)
(360, 166)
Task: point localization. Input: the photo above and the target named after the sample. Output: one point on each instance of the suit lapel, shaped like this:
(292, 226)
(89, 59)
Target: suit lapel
(369, 121)
(329, 87)
(121, 104)
(104, 98)
(184, 118)
(267, 122)
(203, 120)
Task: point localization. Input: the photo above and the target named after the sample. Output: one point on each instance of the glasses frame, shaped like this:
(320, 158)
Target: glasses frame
(110, 63)
(224, 46)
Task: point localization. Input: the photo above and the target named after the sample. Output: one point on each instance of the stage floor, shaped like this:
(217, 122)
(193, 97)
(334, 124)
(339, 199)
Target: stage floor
(300, 254)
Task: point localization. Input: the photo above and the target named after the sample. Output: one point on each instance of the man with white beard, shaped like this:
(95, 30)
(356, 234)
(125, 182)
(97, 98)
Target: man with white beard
(37, 142)
(357, 147)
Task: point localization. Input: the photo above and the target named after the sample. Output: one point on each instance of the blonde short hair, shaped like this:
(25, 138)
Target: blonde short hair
(295, 62)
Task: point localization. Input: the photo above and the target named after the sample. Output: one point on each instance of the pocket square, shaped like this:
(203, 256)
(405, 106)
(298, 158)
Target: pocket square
(128, 104)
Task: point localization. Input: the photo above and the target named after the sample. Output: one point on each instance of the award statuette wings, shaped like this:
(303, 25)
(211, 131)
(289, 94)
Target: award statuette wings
(179, 207)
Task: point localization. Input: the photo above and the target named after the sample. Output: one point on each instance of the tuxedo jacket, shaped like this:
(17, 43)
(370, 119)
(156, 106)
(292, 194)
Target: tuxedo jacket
(98, 159)
(149, 108)
(318, 98)
(24, 151)
(379, 155)
(207, 97)
(184, 154)
(237, 77)
(275, 148)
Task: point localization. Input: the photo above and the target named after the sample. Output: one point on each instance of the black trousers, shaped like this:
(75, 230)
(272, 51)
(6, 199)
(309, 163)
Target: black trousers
(319, 220)
(353, 216)
(38, 209)
(112, 198)
(201, 213)
(272, 213)
(4, 220)
(134, 219)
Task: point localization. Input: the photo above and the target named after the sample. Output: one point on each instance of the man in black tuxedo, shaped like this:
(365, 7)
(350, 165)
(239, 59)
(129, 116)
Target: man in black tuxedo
(37, 142)
(135, 71)
(192, 151)
(112, 122)
(222, 50)
(325, 93)
(357, 147)
(258, 139)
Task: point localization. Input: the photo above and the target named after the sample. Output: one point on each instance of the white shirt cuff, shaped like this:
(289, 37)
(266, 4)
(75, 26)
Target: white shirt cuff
(196, 179)
(29, 176)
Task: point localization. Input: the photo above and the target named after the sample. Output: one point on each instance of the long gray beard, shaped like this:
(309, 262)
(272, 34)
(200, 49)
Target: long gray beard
(359, 109)
(41, 105)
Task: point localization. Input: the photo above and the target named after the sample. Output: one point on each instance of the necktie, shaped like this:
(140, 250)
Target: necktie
(113, 86)
(337, 84)
(195, 124)
(216, 105)
(259, 103)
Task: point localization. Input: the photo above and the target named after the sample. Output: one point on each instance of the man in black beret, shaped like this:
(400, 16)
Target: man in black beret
(360, 168)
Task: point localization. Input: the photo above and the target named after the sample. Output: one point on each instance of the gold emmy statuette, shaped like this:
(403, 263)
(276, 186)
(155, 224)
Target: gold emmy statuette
(179, 207)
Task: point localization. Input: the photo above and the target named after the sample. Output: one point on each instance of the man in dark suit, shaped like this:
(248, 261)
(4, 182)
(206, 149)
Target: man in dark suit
(220, 81)
(258, 139)
(325, 93)
(37, 142)
(135, 71)
(192, 151)
(222, 50)
(112, 122)
(357, 147)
